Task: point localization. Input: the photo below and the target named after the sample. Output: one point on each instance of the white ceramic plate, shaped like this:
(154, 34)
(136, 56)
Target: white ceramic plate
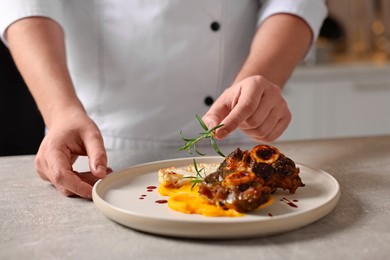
(119, 195)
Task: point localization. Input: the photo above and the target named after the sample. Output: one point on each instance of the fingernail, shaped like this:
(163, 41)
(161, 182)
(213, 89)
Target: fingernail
(100, 170)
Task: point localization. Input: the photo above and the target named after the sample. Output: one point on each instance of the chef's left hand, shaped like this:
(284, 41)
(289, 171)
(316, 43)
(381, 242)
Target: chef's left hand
(254, 105)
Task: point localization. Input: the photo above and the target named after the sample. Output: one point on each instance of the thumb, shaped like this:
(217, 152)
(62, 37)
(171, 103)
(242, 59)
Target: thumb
(97, 157)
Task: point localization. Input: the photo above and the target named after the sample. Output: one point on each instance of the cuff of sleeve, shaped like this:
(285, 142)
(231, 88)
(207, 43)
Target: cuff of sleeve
(16, 10)
(313, 12)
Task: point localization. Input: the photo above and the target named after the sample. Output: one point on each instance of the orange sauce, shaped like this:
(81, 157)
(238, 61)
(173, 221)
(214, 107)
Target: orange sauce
(187, 200)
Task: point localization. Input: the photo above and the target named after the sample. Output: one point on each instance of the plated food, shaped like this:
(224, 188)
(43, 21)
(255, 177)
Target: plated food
(118, 196)
(231, 186)
(243, 182)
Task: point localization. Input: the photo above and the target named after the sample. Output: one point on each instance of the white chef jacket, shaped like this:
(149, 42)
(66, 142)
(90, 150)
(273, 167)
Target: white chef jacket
(144, 68)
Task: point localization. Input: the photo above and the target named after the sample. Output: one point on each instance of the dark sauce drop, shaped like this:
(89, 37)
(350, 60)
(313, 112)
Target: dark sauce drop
(288, 202)
(141, 198)
(150, 188)
(161, 201)
(270, 214)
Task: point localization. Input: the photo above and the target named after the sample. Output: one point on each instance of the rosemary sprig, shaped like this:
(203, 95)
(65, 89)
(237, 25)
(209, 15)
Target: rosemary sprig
(198, 178)
(190, 143)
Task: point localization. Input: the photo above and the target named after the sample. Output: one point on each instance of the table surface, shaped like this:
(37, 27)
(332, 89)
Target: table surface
(37, 222)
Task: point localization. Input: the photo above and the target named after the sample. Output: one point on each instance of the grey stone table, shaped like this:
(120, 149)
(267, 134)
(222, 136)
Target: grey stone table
(37, 222)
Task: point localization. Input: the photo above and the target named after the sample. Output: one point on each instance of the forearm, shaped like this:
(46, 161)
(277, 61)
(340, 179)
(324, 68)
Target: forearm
(37, 46)
(278, 46)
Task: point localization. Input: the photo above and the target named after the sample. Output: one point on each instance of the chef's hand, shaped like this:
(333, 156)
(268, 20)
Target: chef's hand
(67, 138)
(254, 105)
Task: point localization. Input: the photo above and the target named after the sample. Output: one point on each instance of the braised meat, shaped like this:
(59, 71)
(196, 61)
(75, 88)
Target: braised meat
(246, 179)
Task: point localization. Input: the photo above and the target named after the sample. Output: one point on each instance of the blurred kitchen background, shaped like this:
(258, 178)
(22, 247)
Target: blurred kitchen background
(342, 89)
(355, 31)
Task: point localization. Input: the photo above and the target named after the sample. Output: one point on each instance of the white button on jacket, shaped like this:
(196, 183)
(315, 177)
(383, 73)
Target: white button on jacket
(144, 68)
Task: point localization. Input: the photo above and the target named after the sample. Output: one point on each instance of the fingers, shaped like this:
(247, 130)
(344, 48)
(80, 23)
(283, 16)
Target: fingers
(97, 155)
(70, 182)
(90, 178)
(57, 154)
(248, 102)
(270, 123)
(272, 128)
(57, 169)
(233, 107)
(254, 105)
(218, 111)
(262, 113)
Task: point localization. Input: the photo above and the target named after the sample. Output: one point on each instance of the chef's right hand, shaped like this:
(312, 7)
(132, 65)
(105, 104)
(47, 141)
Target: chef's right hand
(254, 105)
(67, 138)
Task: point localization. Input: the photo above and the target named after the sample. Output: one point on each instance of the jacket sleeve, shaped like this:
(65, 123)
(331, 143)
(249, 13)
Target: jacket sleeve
(313, 12)
(12, 11)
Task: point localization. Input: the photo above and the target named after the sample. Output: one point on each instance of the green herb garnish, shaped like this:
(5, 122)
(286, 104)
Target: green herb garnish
(198, 178)
(190, 143)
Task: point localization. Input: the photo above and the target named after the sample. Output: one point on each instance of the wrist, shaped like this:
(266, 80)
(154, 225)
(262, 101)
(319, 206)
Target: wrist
(63, 112)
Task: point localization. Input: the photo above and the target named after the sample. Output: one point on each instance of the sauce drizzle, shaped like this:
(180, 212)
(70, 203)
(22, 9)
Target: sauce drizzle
(288, 202)
(150, 188)
(161, 201)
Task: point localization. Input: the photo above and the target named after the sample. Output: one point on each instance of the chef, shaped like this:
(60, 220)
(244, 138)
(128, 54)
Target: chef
(126, 74)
